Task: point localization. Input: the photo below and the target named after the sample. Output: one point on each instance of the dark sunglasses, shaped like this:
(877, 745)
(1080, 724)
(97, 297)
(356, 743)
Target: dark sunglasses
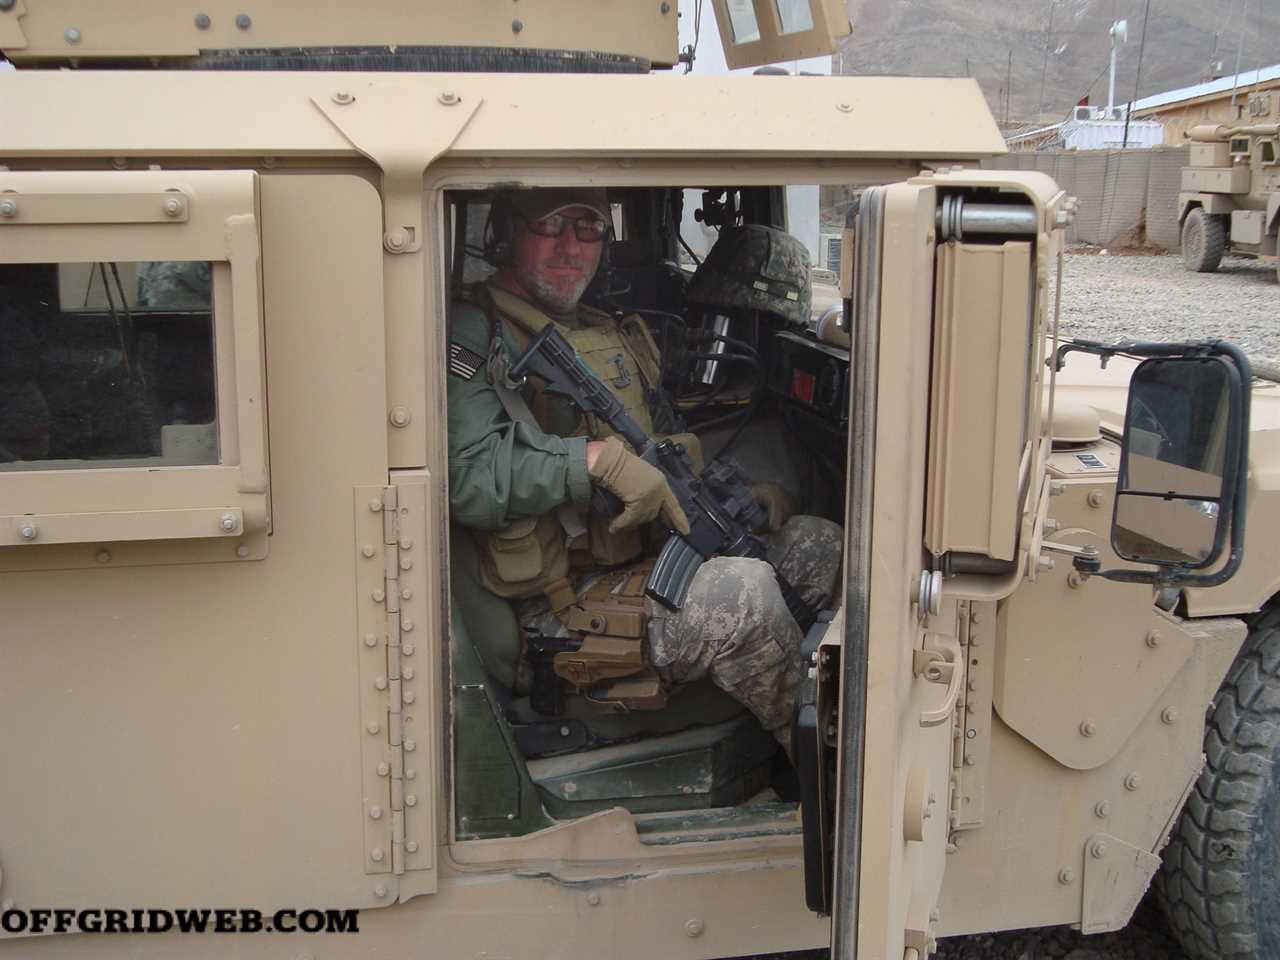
(588, 229)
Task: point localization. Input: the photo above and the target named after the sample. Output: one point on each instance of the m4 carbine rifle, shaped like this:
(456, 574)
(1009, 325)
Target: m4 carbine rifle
(722, 514)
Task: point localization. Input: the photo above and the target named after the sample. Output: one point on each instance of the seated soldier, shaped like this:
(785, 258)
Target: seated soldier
(522, 465)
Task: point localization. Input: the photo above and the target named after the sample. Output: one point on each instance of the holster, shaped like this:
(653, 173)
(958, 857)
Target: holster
(610, 667)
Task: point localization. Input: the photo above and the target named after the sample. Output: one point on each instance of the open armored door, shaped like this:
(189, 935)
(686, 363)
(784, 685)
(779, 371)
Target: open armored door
(756, 32)
(944, 443)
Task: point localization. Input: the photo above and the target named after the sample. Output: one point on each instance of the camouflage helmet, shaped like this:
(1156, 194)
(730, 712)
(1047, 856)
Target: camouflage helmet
(754, 267)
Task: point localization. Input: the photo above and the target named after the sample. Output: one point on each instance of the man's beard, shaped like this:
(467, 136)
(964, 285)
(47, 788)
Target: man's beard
(557, 298)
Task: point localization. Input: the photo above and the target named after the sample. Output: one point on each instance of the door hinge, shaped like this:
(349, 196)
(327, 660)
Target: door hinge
(395, 697)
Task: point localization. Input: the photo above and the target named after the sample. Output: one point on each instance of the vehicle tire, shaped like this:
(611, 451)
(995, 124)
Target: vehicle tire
(1220, 881)
(1204, 239)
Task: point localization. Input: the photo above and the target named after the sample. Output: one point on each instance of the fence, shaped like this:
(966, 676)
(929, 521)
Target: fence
(1122, 192)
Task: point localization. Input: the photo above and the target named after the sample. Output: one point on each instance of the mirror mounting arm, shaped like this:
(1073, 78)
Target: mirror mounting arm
(1141, 348)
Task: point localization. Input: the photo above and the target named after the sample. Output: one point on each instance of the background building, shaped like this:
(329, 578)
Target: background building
(1224, 100)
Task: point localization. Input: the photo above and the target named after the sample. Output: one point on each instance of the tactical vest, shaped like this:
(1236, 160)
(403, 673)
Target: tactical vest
(524, 558)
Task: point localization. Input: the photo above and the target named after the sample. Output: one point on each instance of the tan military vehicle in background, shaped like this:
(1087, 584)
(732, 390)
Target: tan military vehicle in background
(1230, 197)
(238, 667)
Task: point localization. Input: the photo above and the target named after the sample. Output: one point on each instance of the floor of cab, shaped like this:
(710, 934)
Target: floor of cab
(764, 815)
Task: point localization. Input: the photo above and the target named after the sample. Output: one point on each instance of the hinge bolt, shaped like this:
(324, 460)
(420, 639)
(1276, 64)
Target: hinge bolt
(367, 550)
(410, 745)
(375, 505)
(372, 726)
(380, 891)
(399, 416)
(384, 768)
(411, 774)
(227, 522)
(8, 208)
(406, 563)
(1098, 850)
(408, 696)
(1066, 875)
(1102, 809)
(407, 673)
(1153, 639)
(407, 649)
(1095, 498)
(1132, 781)
(378, 595)
(406, 543)
(380, 683)
(406, 594)
(406, 625)
(376, 854)
(1169, 714)
(172, 207)
(411, 846)
(28, 531)
(370, 640)
(375, 812)
(410, 800)
(1088, 728)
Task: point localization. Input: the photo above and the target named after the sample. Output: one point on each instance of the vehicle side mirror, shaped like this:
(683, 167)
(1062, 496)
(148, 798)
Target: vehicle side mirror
(1179, 462)
(1180, 493)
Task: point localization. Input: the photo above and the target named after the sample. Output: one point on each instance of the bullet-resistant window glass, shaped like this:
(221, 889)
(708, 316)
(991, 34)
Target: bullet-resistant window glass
(107, 363)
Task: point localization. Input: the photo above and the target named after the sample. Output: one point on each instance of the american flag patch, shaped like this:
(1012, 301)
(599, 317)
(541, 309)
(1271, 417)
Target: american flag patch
(464, 362)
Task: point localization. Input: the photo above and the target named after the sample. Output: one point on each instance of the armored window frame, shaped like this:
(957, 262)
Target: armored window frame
(148, 512)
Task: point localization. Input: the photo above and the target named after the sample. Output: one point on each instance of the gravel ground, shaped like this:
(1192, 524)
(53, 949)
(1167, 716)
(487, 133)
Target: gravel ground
(1153, 298)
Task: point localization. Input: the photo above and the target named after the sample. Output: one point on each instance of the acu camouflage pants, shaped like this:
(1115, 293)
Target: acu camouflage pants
(735, 628)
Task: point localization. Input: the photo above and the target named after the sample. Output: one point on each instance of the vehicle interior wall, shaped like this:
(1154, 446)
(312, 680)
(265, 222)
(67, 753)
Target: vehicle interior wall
(769, 392)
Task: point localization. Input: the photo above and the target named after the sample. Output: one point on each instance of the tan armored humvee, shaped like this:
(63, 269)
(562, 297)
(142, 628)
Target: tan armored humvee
(237, 666)
(1230, 197)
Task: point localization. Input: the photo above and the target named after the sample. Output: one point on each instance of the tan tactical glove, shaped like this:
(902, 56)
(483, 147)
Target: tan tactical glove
(776, 504)
(640, 486)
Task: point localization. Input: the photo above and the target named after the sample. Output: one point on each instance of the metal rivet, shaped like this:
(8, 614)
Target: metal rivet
(72, 35)
(1169, 714)
(203, 22)
(380, 683)
(406, 543)
(1088, 728)
(593, 898)
(407, 649)
(375, 505)
(372, 726)
(103, 556)
(1153, 639)
(342, 98)
(375, 812)
(406, 594)
(1102, 809)
(378, 595)
(227, 522)
(411, 846)
(1098, 850)
(1132, 781)
(1095, 498)
(406, 625)
(448, 98)
(844, 107)
(243, 21)
(516, 26)
(970, 733)
(399, 416)
(664, 7)
(376, 854)
(410, 800)
(693, 928)
(367, 550)
(564, 731)
(8, 208)
(370, 639)
(410, 745)
(407, 673)
(384, 768)
(242, 551)
(408, 696)
(172, 207)
(28, 531)
(1066, 875)
(380, 891)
